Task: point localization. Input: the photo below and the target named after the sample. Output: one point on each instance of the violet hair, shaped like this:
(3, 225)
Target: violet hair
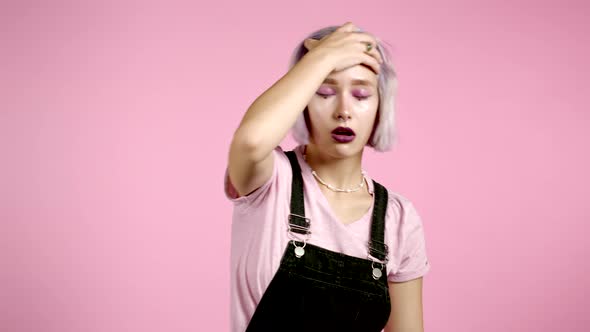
(384, 134)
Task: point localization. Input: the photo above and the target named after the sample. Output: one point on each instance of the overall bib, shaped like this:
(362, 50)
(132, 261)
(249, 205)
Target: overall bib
(316, 289)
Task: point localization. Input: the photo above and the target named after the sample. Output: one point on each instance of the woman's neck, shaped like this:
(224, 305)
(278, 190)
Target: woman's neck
(344, 173)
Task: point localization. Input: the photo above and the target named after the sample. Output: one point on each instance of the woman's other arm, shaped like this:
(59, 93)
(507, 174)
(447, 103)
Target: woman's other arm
(406, 307)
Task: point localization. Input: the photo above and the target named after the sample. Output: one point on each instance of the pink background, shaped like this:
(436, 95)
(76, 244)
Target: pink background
(116, 118)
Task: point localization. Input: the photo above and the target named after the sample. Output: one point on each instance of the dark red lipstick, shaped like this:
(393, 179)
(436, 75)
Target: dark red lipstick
(343, 135)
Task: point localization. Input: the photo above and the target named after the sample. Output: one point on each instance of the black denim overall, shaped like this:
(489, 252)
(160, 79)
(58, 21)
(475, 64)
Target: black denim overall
(316, 289)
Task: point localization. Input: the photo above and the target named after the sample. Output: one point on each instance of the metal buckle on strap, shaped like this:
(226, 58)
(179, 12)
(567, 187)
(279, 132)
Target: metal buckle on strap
(377, 272)
(295, 232)
(307, 220)
(377, 260)
(374, 251)
(298, 228)
(304, 230)
(299, 251)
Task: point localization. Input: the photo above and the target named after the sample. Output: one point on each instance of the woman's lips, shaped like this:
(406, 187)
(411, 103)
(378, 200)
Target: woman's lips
(343, 138)
(343, 135)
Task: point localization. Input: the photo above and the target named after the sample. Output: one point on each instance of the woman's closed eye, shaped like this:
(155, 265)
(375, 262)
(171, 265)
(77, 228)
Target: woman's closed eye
(361, 96)
(357, 96)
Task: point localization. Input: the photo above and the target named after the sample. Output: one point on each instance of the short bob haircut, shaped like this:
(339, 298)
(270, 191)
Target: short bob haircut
(383, 135)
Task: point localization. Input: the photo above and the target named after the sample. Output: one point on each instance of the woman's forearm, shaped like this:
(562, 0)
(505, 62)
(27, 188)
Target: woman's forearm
(272, 114)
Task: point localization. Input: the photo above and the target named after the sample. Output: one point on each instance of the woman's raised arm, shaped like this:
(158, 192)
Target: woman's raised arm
(269, 119)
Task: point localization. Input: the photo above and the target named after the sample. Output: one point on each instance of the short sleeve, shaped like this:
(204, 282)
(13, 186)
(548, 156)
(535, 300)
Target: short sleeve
(258, 195)
(413, 260)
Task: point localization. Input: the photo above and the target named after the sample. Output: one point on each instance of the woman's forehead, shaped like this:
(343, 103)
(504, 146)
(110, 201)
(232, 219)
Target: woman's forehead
(356, 75)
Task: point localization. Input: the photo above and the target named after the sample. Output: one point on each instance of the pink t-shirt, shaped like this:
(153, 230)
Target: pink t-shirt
(259, 234)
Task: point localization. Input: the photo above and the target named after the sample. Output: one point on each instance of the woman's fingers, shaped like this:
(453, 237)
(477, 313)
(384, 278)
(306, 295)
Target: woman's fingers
(372, 63)
(365, 39)
(348, 46)
(310, 43)
(373, 52)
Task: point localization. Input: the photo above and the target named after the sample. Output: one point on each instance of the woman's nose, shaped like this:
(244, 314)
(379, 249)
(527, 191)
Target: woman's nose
(342, 112)
(342, 117)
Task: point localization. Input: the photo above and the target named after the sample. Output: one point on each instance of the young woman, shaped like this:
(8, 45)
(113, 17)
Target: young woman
(317, 245)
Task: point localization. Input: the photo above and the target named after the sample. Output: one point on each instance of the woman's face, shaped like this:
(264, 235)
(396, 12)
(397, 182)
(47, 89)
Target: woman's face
(347, 98)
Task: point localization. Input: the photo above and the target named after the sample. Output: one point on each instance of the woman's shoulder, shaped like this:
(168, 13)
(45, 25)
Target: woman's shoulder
(399, 206)
(397, 199)
(394, 198)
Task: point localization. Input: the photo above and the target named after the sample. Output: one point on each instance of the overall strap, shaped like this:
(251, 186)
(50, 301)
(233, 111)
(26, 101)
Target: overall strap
(377, 246)
(297, 217)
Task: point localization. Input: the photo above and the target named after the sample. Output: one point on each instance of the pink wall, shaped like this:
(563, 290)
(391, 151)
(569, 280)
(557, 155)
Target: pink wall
(115, 121)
